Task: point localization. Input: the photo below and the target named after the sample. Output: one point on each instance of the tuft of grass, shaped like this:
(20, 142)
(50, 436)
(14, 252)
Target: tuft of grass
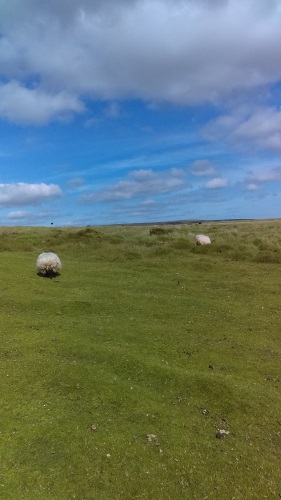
(141, 336)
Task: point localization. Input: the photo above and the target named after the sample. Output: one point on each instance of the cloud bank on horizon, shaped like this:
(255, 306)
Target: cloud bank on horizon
(139, 110)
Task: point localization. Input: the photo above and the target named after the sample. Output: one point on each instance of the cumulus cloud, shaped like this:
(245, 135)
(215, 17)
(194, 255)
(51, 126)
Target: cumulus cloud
(139, 183)
(271, 175)
(216, 183)
(34, 106)
(203, 168)
(256, 180)
(263, 128)
(157, 50)
(22, 194)
(260, 126)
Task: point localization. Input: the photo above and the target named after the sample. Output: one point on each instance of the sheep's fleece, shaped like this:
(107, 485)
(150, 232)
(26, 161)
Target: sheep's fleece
(48, 263)
(202, 239)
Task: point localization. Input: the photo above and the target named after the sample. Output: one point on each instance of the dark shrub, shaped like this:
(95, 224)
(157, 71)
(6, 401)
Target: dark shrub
(159, 231)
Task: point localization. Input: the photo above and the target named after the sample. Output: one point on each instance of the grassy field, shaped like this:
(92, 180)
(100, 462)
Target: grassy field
(117, 375)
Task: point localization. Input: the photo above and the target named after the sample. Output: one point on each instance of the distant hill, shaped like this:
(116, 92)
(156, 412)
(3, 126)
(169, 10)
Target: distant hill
(176, 222)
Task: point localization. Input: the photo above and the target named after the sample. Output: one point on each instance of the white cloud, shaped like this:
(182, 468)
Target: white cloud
(29, 217)
(271, 175)
(18, 215)
(170, 208)
(260, 126)
(216, 183)
(139, 183)
(156, 50)
(22, 194)
(34, 106)
(203, 168)
(263, 128)
(251, 186)
(256, 180)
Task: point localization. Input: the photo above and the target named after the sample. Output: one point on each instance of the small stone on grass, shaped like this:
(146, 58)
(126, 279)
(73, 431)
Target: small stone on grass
(221, 433)
(151, 437)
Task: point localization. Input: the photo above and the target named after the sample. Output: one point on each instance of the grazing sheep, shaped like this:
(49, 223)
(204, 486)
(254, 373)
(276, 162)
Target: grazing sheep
(202, 239)
(48, 264)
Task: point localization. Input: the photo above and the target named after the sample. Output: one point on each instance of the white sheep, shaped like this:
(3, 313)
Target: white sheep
(48, 264)
(202, 239)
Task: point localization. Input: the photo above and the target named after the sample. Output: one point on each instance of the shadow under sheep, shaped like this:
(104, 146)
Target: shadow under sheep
(49, 275)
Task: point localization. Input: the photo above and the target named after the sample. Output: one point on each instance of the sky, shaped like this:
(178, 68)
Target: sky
(124, 111)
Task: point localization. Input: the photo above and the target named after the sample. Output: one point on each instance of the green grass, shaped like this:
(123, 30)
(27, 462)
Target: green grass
(141, 333)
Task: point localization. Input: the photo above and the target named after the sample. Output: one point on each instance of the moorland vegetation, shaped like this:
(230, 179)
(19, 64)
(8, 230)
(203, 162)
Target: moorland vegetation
(149, 368)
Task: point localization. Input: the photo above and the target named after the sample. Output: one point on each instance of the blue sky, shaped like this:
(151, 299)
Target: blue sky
(141, 110)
